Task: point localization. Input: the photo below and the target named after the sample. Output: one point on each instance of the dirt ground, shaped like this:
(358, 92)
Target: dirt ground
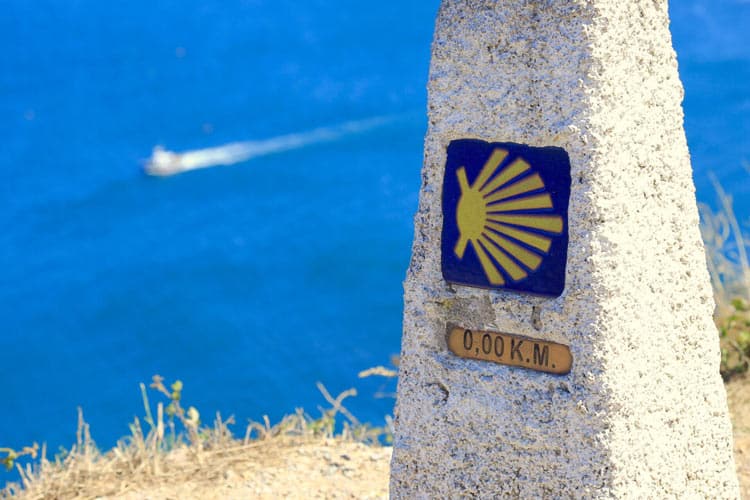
(738, 394)
(327, 469)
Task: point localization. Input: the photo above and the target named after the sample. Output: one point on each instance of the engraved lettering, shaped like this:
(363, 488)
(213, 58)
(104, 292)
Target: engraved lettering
(486, 343)
(541, 356)
(525, 352)
(468, 340)
(499, 352)
(515, 349)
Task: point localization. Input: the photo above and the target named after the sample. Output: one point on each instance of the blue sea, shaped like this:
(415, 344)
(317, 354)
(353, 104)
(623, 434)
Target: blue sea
(253, 281)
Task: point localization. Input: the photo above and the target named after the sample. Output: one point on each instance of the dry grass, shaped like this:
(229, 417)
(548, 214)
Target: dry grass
(727, 259)
(177, 448)
(726, 249)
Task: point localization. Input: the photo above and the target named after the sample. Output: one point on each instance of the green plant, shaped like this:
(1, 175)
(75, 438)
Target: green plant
(12, 455)
(734, 334)
(189, 419)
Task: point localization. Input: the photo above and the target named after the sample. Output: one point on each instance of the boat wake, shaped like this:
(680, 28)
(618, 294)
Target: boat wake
(164, 162)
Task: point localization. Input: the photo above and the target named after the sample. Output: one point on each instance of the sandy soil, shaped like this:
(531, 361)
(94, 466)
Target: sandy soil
(738, 393)
(327, 469)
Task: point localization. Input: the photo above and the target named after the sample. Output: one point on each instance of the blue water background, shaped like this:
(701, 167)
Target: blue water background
(248, 282)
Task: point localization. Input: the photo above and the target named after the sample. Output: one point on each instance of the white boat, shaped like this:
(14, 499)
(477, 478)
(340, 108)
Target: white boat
(164, 162)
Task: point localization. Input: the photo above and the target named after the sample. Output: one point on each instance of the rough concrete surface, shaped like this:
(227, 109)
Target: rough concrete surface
(643, 413)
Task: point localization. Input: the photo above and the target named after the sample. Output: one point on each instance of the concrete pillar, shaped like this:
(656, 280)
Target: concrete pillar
(642, 412)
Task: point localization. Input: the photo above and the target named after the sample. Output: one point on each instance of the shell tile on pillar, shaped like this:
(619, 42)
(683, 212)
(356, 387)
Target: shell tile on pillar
(642, 413)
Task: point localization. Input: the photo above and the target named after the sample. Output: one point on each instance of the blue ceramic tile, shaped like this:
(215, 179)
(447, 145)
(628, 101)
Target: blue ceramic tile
(505, 216)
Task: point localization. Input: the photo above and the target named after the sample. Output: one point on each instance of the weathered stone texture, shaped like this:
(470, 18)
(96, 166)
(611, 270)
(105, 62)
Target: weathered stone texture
(643, 413)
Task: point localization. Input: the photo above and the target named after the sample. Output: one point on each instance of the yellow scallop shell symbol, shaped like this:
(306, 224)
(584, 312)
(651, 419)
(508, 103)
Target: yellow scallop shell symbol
(495, 213)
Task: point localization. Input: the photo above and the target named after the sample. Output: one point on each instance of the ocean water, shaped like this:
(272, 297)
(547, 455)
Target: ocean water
(249, 282)
(712, 40)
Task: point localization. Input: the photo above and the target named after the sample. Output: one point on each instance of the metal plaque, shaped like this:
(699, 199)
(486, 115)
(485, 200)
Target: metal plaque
(508, 349)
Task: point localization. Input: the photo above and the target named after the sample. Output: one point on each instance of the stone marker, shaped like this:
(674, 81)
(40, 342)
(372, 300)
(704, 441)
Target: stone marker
(557, 224)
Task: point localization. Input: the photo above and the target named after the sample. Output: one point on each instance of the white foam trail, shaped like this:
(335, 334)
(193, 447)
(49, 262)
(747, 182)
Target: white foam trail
(164, 162)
